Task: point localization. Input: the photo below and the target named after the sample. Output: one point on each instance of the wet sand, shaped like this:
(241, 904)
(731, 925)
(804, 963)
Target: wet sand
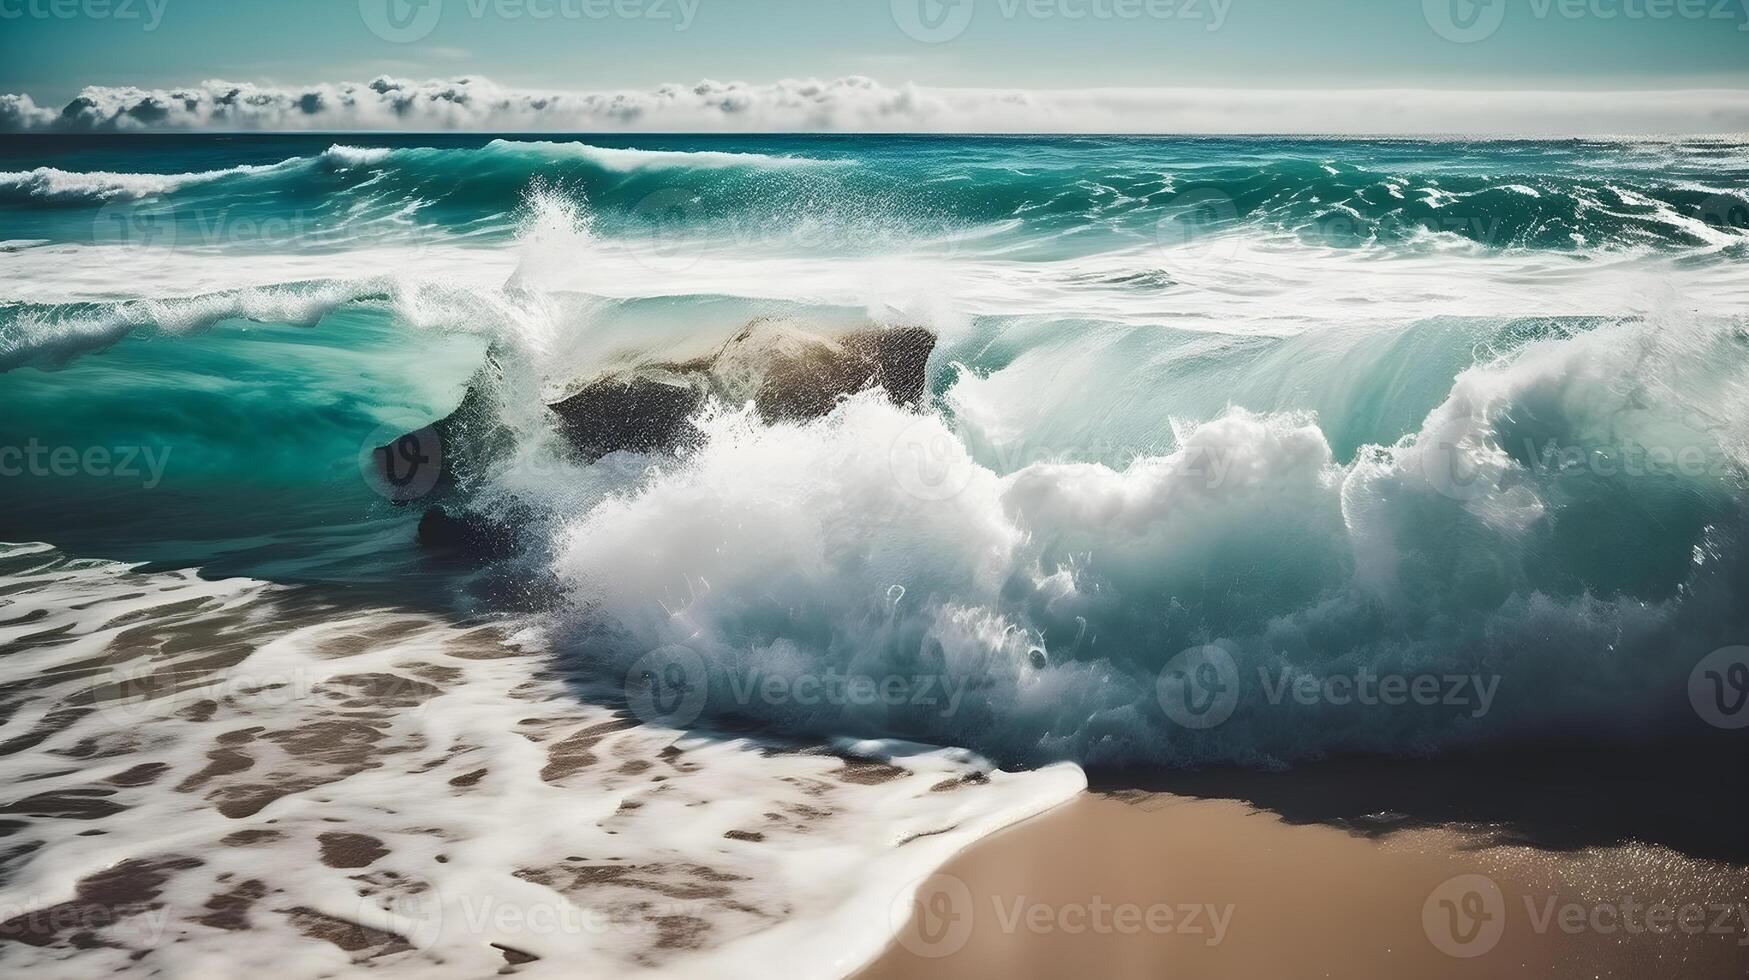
(1135, 883)
(219, 777)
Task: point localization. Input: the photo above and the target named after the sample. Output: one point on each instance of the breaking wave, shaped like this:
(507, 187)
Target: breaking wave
(1569, 196)
(1132, 467)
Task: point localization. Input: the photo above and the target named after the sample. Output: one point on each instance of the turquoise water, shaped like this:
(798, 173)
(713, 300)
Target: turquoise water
(1188, 393)
(1065, 195)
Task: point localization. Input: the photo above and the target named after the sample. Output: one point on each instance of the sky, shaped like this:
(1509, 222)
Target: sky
(51, 49)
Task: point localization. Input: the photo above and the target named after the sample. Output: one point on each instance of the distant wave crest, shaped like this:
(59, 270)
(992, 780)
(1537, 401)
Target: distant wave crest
(53, 185)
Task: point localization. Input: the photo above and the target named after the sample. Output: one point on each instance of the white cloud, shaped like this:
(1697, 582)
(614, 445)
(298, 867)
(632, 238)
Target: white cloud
(857, 104)
(18, 113)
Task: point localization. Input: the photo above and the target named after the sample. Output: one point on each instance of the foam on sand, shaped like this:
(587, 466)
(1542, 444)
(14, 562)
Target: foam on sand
(290, 786)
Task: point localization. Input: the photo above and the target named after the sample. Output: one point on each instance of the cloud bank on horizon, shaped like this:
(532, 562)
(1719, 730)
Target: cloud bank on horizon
(858, 104)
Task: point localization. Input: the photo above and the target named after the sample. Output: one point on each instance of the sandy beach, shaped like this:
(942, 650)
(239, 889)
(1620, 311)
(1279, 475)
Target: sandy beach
(1128, 883)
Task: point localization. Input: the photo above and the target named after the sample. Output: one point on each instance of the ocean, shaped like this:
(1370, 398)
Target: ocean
(1235, 451)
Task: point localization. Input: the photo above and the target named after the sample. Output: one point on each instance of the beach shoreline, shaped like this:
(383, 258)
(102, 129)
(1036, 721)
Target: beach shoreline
(1144, 883)
(269, 780)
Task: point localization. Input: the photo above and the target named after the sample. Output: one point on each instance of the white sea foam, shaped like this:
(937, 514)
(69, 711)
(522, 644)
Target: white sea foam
(628, 159)
(1250, 287)
(53, 334)
(876, 538)
(50, 183)
(376, 789)
(356, 156)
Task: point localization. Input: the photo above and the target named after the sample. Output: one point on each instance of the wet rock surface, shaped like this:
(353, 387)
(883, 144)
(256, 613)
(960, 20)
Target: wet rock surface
(787, 373)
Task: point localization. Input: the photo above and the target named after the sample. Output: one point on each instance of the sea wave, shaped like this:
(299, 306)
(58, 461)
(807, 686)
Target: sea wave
(1560, 526)
(1057, 598)
(1560, 199)
(1287, 459)
(51, 185)
(628, 159)
(55, 334)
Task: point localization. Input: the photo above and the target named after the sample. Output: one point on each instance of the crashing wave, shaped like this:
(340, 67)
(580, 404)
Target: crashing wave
(53, 185)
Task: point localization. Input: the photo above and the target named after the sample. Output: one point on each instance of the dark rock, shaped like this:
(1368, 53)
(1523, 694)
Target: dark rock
(801, 376)
(788, 374)
(458, 444)
(640, 414)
